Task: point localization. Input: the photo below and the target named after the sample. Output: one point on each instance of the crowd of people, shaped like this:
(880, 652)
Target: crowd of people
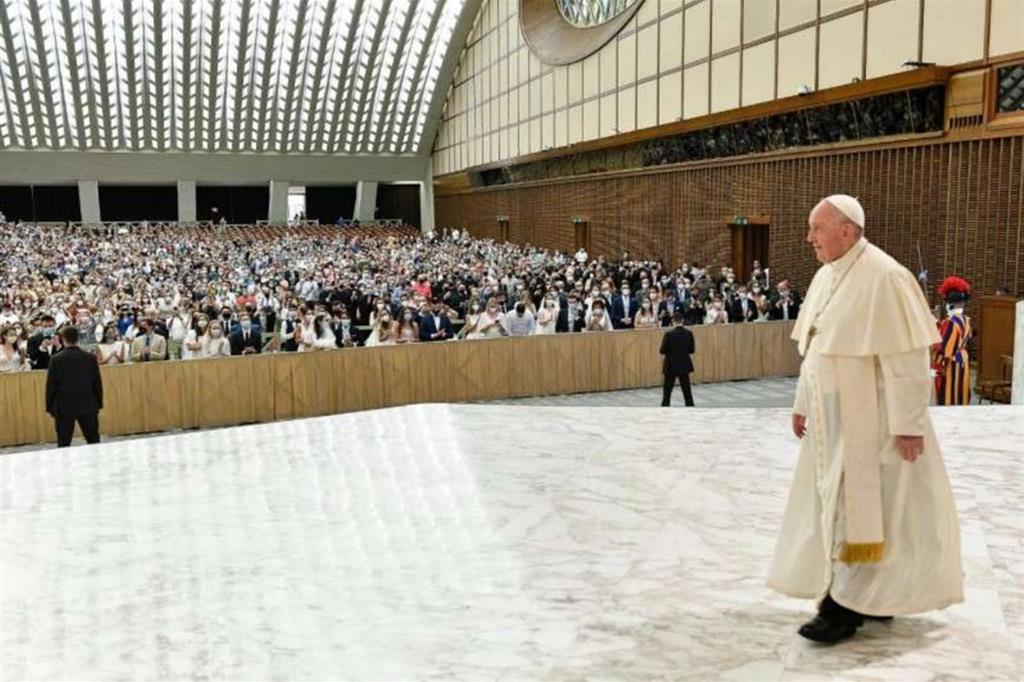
(164, 292)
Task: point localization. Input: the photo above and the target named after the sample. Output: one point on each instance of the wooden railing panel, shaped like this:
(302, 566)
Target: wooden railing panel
(155, 397)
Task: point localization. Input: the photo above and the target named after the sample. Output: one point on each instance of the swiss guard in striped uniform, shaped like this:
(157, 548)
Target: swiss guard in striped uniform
(950, 358)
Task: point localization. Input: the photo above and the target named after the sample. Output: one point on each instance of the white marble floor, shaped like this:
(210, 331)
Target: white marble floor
(469, 542)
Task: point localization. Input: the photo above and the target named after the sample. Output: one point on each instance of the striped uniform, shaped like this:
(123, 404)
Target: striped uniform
(952, 362)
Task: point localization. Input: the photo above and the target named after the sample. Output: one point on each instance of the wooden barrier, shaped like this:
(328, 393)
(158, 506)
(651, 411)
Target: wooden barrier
(153, 397)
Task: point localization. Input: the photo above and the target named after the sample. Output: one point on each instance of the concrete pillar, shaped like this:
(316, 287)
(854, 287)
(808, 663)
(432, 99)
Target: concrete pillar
(427, 200)
(278, 212)
(89, 200)
(186, 201)
(1017, 395)
(366, 200)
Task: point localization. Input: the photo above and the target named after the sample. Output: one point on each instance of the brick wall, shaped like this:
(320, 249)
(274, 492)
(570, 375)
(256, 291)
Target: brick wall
(962, 201)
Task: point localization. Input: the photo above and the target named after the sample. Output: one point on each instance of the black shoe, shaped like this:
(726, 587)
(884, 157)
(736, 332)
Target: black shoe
(828, 630)
(833, 623)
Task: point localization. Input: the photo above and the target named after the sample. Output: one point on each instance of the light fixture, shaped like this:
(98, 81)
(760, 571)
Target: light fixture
(805, 90)
(916, 64)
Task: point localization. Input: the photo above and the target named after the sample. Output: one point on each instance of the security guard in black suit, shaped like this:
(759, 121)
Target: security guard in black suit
(677, 346)
(74, 390)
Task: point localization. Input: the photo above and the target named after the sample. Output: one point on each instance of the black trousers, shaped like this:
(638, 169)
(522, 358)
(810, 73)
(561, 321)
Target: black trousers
(65, 426)
(670, 382)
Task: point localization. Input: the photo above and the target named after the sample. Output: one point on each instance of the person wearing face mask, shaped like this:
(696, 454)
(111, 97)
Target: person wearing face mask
(226, 321)
(148, 346)
(290, 328)
(716, 313)
(193, 346)
(597, 319)
(176, 333)
(245, 340)
(435, 325)
(646, 317)
(383, 332)
(547, 317)
(43, 344)
(214, 343)
(408, 327)
(12, 358)
(7, 314)
(742, 308)
(111, 350)
(317, 334)
(950, 358)
(785, 304)
(342, 327)
(469, 329)
(492, 321)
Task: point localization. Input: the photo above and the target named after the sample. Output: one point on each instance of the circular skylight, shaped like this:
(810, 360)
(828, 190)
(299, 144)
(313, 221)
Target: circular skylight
(587, 13)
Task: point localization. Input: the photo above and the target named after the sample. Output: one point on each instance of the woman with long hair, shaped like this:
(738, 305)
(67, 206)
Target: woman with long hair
(111, 350)
(547, 317)
(318, 335)
(12, 355)
(383, 333)
(215, 343)
(469, 328)
(408, 329)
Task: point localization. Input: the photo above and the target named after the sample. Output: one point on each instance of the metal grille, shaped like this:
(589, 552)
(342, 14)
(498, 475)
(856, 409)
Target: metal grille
(1011, 89)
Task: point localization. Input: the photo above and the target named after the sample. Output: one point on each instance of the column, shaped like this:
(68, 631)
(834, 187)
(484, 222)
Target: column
(278, 212)
(427, 200)
(89, 200)
(366, 200)
(186, 201)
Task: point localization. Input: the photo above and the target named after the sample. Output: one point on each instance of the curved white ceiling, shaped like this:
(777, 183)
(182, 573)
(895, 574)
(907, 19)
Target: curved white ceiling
(310, 76)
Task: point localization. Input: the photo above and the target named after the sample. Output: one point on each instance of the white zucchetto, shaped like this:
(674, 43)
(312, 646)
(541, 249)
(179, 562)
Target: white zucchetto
(849, 207)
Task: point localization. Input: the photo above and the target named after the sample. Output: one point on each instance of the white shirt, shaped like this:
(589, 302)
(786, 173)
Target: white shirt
(175, 329)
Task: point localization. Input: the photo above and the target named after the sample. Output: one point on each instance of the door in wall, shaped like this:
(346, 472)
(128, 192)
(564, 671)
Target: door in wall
(750, 242)
(582, 237)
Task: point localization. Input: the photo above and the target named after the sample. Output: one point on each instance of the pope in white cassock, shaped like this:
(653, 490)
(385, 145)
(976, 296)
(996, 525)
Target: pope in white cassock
(870, 529)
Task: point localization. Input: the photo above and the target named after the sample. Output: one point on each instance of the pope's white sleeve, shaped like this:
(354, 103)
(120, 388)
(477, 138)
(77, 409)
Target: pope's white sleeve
(800, 403)
(907, 391)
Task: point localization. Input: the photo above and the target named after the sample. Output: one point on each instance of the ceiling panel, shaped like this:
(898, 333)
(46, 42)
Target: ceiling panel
(308, 76)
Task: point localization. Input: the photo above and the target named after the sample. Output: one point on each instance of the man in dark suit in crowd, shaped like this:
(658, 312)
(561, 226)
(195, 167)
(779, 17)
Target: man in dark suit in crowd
(43, 344)
(245, 340)
(785, 305)
(436, 326)
(74, 390)
(742, 308)
(623, 308)
(677, 346)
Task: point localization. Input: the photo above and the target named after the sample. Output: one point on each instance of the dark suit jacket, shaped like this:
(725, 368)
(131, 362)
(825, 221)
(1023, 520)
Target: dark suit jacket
(239, 344)
(736, 311)
(794, 307)
(677, 346)
(664, 314)
(618, 311)
(427, 328)
(73, 384)
(37, 357)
